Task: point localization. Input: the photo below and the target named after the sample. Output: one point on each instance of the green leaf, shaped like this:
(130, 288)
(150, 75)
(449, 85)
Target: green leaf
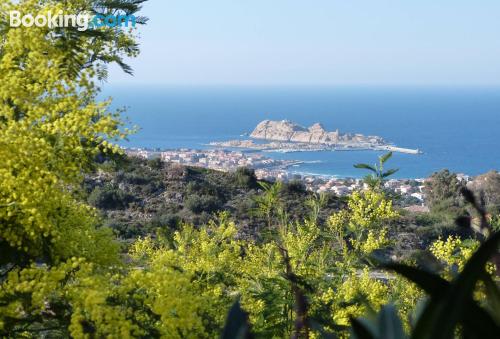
(431, 283)
(479, 322)
(385, 157)
(366, 166)
(237, 325)
(361, 330)
(389, 172)
(389, 324)
(264, 185)
(456, 303)
(492, 297)
(427, 319)
(434, 316)
(324, 334)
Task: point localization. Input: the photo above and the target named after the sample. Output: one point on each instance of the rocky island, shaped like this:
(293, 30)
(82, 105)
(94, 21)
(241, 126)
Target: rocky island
(287, 136)
(316, 134)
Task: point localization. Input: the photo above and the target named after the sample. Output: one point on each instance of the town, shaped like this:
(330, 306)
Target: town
(271, 170)
(217, 159)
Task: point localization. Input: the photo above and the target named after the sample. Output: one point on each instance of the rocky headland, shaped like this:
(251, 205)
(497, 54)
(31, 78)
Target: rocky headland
(287, 136)
(286, 130)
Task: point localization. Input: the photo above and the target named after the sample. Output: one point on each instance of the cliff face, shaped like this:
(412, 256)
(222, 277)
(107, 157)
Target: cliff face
(316, 134)
(277, 130)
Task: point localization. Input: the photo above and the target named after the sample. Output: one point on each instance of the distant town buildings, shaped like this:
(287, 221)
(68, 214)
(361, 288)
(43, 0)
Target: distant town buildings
(221, 160)
(272, 170)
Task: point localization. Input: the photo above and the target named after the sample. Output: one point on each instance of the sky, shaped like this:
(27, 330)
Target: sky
(318, 42)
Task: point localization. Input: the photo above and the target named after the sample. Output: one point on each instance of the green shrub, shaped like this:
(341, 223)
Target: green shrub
(155, 163)
(428, 219)
(152, 187)
(245, 177)
(201, 188)
(138, 177)
(204, 203)
(294, 186)
(165, 220)
(109, 197)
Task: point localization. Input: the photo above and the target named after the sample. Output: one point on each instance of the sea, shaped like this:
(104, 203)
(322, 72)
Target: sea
(456, 128)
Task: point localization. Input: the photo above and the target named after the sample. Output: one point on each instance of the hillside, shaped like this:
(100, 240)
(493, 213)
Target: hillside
(138, 197)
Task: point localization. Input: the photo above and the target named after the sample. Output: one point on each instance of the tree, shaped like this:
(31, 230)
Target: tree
(487, 187)
(268, 203)
(189, 283)
(300, 282)
(61, 274)
(363, 225)
(109, 197)
(202, 203)
(456, 305)
(51, 127)
(245, 177)
(51, 130)
(442, 192)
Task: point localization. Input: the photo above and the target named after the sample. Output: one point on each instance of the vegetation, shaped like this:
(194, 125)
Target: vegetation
(305, 265)
(464, 302)
(443, 193)
(487, 187)
(108, 197)
(131, 194)
(378, 175)
(53, 252)
(467, 304)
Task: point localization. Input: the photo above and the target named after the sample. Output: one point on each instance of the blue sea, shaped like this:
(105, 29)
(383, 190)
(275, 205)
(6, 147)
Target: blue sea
(456, 128)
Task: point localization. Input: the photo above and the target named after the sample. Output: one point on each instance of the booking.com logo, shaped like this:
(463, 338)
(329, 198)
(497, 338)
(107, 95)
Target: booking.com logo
(82, 22)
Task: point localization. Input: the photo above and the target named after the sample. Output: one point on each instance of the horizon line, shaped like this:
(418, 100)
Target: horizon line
(312, 85)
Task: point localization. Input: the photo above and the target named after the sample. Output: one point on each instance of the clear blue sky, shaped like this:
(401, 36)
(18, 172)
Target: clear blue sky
(318, 42)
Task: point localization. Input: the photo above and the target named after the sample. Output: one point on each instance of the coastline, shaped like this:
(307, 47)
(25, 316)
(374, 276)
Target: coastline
(228, 160)
(291, 147)
(275, 170)
(352, 110)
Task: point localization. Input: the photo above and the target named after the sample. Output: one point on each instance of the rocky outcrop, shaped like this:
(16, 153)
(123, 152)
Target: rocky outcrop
(277, 130)
(316, 134)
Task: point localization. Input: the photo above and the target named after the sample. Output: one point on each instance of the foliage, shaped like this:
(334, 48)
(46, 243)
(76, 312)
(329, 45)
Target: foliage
(50, 126)
(487, 187)
(384, 325)
(62, 274)
(201, 203)
(183, 286)
(363, 224)
(188, 283)
(268, 204)
(295, 186)
(152, 193)
(51, 130)
(442, 192)
(376, 179)
(305, 257)
(452, 307)
(349, 294)
(495, 223)
(109, 197)
(454, 252)
(245, 177)
(356, 287)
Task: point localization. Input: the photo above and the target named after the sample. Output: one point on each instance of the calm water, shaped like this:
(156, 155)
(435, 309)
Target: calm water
(457, 128)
